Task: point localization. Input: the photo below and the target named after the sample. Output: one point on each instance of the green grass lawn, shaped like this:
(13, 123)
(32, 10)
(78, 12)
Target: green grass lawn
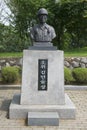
(75, 53)
(79, 52)
(11, 54)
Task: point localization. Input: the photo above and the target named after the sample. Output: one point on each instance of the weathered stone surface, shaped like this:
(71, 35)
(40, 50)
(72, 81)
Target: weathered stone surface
(52, 99)
(43, 119)
(18, 111)
(66, 63)
(55, 83)
(12, 62)
(75, 64)
(7, 64)
(76, 59)
(2, 61)
(82, 65)
(71, 67)
(20, 62)
(84, 60)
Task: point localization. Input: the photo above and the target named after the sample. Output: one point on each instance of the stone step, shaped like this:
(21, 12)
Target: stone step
(43, 119)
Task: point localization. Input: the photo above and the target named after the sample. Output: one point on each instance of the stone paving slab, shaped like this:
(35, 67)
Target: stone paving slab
(79, 98)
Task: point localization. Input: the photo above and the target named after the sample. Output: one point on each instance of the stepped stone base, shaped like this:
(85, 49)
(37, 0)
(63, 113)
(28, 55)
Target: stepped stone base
(43, 119)
(17, 111)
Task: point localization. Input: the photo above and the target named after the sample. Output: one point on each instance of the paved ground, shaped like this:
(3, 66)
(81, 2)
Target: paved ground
(78, 97)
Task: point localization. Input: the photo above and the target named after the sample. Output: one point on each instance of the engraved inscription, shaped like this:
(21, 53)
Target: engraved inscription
(42, 74)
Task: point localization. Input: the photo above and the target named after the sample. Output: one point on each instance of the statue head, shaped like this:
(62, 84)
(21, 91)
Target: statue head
(42, 15)
(42, 11)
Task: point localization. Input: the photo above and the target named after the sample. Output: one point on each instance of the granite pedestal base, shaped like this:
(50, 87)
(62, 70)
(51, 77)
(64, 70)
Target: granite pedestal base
(17, 111)
(42, 88)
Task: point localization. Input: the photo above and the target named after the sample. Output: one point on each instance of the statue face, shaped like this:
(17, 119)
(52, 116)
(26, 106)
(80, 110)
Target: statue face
(43, 18)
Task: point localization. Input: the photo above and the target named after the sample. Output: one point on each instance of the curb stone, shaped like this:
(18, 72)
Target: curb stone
(67, 87)
(75, 87)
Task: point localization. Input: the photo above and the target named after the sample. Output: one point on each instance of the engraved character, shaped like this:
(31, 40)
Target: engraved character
(43, 86)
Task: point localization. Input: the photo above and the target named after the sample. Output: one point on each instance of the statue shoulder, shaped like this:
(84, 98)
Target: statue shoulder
(52, 31)
(50, 27)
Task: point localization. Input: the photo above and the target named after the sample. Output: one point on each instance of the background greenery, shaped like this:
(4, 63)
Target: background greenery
(12, 75)
(77, 52)
(68, 17)
(75, 76)
(80, 75)
(68, 78)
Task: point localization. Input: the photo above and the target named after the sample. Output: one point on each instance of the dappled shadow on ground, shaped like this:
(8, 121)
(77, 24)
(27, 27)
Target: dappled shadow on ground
(5, 107)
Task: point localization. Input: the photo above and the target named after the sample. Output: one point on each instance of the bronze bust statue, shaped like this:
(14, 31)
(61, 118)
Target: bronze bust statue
(42, 33)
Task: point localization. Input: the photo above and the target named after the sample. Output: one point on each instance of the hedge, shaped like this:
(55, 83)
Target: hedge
(68, 75)
(80, 75)
(10, 74)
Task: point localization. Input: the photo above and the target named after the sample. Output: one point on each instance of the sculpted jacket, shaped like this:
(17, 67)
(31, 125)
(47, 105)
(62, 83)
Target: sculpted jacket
(43, 33)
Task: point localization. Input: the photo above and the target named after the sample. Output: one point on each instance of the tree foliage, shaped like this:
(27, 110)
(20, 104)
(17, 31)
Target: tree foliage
(69, 20)
(10, 40)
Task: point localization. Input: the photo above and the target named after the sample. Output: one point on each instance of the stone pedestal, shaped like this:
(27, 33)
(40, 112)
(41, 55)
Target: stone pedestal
(54, 95)
(42, 86)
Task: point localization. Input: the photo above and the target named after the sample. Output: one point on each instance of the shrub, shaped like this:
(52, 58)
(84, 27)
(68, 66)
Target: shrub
(68, 76)
(10, 74)
(80, 75)
(20, 72)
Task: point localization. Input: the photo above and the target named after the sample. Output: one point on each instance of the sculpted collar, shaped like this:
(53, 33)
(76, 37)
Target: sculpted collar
(45, 26)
